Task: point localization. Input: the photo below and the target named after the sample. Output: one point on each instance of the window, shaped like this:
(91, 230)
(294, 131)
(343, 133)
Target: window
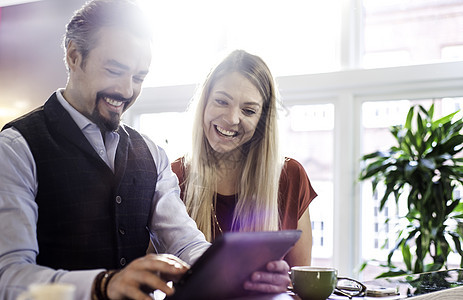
(334, 116)
(190, 36)
(169, 130)
(306, 134)
(406, 32)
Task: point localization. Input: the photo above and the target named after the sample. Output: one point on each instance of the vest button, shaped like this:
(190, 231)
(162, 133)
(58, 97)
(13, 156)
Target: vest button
(118, 199)
(123, 261)
(122, 231)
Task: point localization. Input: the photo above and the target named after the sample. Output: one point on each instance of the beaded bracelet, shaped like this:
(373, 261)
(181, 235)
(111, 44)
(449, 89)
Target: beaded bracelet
(105, 282)
(100, 285)
(96, 288)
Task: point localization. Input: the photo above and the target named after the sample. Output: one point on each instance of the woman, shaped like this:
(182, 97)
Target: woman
(234, 178)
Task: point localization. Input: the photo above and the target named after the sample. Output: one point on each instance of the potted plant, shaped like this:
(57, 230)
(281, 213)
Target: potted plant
(425, 168)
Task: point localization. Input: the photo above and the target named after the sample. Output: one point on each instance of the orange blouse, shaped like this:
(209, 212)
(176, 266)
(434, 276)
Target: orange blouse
(295, 194)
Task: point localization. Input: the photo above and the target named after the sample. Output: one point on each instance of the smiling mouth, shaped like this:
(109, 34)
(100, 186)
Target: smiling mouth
(225, 132)
(113, 102)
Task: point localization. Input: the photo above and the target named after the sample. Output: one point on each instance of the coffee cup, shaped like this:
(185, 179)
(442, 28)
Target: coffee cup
(49, 291)
(313, 283)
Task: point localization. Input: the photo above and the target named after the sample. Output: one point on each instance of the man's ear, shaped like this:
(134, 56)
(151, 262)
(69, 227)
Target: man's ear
(73, 56)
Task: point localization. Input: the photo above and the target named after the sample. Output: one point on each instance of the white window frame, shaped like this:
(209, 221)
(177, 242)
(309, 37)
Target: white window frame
(347, 90)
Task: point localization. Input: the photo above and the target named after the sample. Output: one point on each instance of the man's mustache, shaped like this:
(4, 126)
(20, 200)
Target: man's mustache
(116, 97)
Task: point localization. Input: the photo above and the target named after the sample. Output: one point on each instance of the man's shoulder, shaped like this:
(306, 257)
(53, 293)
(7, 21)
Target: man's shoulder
(31, 116)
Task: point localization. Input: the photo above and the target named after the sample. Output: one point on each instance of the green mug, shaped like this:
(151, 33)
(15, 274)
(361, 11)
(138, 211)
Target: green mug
(313, 283)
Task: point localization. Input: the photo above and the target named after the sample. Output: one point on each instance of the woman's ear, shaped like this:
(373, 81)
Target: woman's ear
(73, 57)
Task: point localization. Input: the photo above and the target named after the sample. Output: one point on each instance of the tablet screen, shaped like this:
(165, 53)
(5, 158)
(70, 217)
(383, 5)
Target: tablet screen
(221, 271)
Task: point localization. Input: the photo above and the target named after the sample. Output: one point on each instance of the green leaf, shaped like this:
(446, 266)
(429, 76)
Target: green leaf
(431, 111)
(374, 168)
(407, 256)
(451, 144)
(427, 164)
(443, 120)
(375, 155)
(420, 134)
(392, 274)
(363, 266)
(408, 121)
(410, 168)
(457, 241)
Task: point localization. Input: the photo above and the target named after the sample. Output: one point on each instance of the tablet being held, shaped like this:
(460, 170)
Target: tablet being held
(231, 260)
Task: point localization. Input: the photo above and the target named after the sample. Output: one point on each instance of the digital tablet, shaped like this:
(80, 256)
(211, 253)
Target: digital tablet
(223, 268)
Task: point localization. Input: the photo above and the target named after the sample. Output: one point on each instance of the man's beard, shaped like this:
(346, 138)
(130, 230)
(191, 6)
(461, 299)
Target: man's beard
(111, 124)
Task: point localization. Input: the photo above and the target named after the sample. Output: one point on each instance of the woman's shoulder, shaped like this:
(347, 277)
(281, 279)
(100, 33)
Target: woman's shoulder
(178, 167)
(179, 161)
(292, 166)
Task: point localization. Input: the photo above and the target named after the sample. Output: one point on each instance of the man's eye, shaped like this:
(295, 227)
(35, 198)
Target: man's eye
(138, 79)
(113, 72)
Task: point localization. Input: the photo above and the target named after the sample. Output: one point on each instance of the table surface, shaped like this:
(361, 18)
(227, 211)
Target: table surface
(440, 285)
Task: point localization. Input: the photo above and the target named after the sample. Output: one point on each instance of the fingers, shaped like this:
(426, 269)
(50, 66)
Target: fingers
(150, 271)
(278, 266)
(275, 280)
(180, 268)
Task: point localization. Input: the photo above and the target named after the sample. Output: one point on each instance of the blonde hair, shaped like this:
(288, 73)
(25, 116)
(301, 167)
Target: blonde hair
(257, 205)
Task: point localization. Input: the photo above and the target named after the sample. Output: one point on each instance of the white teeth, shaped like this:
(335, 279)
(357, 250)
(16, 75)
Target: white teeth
(225, 132)
(113, 102)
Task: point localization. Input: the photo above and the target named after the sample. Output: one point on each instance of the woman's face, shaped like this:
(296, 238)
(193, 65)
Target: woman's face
(232, 112)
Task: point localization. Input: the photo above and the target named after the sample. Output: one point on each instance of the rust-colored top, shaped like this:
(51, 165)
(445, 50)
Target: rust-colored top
(295, 194)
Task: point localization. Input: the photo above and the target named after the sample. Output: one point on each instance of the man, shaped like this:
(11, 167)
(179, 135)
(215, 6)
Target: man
(80, 193)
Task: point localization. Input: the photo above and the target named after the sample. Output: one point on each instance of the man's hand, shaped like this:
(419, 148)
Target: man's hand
(152, 271)
(275, 280)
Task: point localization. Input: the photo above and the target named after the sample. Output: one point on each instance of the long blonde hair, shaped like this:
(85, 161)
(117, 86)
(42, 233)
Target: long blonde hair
(257, 205)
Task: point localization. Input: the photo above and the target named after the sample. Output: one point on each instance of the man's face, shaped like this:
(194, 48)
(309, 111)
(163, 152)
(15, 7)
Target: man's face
(110, 80)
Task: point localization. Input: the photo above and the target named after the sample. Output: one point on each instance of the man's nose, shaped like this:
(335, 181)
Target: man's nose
(125, 87)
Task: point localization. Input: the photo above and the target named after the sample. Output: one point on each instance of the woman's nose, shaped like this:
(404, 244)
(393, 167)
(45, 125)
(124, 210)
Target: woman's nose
(232, 117)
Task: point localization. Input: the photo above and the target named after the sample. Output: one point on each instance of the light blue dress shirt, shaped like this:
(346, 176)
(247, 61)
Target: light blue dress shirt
(170, 224)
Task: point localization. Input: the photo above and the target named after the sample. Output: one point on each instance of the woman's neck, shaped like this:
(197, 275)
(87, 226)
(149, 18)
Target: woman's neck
(229, 170)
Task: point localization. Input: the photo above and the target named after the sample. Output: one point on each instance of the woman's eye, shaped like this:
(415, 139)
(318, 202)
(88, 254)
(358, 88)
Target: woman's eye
(221, 102)
(249, 112)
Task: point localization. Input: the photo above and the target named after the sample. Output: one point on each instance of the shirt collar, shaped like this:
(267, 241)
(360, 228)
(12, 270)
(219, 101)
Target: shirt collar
(78, 118)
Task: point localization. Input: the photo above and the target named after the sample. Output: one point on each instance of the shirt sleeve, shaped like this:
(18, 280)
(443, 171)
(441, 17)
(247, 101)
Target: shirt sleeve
(18, 219)
(295, 192)
(171, 226)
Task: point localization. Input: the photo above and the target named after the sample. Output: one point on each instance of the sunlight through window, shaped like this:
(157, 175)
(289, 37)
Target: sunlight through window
(293, 37)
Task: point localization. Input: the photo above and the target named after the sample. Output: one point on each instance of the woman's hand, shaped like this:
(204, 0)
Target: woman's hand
(144, 274)
(275, 280)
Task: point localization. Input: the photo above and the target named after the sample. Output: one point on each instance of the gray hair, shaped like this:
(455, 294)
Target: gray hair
(96, 14)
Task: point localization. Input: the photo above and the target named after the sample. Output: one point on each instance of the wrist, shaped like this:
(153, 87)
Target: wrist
(100, 285)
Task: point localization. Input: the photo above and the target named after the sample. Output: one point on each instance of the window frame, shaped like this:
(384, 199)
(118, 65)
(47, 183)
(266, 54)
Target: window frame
(347, 90)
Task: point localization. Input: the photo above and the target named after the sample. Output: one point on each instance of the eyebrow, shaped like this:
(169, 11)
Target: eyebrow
(225, 94)
(231, 98)
(115, 63)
